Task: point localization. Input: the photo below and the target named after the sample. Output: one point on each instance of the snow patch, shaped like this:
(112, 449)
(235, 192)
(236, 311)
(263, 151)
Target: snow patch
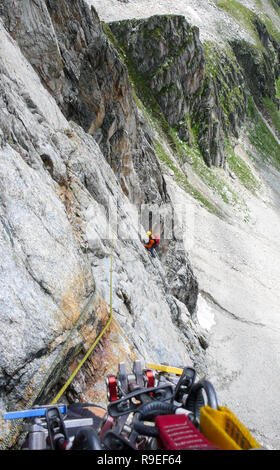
(205, 314)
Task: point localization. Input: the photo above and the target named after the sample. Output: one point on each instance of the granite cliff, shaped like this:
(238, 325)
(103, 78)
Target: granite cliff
(111, 124)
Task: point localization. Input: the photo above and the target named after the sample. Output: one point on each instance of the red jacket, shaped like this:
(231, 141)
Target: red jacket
(152, 241)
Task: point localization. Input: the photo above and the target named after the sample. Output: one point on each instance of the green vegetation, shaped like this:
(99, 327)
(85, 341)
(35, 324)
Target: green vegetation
(182, 180)
(277, 87)
(221, 65)
(242, 14)
(141, 89)
(275, 5)
(241, 170)
(273, 112)
(248, 19)
(273, 31)
(182, 152)
(210, 176)
(108, 32)
(262, 138)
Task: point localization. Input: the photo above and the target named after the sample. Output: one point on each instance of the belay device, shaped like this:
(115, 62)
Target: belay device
(155, 408)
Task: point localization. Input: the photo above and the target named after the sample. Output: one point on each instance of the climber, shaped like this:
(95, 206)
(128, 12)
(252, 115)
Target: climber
(152, 243)
(157, 239)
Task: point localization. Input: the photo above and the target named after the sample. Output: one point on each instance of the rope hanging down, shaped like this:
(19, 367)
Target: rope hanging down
(10, 439)
(73, 375)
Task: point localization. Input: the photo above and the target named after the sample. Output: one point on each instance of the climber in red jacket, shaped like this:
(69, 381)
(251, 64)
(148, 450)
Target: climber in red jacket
(152, 243)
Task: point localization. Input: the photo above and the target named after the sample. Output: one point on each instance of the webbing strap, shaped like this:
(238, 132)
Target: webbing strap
(167, 369)
(177, 432)
(33, 413)
(222, 428)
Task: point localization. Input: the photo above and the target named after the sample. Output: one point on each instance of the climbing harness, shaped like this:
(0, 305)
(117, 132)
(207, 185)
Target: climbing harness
(157, 407)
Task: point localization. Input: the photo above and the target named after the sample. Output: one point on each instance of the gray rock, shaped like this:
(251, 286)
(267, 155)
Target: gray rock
(167, 52)
(59, 200)
(174, 76)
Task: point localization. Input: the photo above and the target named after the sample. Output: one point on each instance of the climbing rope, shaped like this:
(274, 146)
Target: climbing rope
(11, 438)
(73, 375)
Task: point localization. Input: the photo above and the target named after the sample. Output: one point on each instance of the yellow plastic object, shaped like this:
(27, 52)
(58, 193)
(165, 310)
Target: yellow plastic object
(163, 368)
(223, 429)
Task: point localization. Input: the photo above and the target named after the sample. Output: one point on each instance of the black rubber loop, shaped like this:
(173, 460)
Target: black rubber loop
(195, 400)
(145, 430)
(148, 412)
(86, 439)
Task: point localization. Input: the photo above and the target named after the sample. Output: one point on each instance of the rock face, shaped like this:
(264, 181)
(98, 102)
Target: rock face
(76, 163)
(83, 72)
(261, 68)
(40, 44)
(221, 109)
(90, 84)
(170, 60)
(167, 52)
(234, 260)
(259, 61)
(78, 168)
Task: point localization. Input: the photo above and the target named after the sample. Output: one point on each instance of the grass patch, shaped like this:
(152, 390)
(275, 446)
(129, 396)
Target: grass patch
(241, 170)
(182, 180)
(146, 101)
(273, 112)
(220, 65)
(244, 16)
(262, 138)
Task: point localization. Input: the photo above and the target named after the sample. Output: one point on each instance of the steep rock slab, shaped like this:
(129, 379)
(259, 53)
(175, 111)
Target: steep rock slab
(45, 282)
(40, 44)
(167, 52)
(56, 189)
(89, 52)
(171, 65)
(90, 83)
